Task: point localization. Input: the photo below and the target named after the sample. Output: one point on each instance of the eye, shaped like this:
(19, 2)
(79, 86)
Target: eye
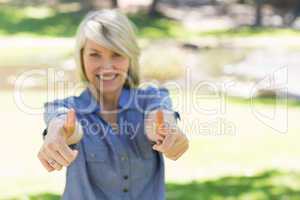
(117, 55)
(94, 55)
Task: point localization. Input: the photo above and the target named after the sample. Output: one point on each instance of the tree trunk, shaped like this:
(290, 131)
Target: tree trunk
(114, 3)
(153, 8)
(86, 5)
(258, 13)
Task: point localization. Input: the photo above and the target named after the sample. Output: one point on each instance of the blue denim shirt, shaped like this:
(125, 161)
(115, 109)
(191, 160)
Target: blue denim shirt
(113, 166)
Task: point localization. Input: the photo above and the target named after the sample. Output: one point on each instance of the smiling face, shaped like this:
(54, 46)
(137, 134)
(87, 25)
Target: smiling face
(105, 70)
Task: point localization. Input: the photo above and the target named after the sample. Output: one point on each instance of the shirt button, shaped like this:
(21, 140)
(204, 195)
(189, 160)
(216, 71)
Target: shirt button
(124, 158)
(93, 155)
(125, 177)
(125, 190)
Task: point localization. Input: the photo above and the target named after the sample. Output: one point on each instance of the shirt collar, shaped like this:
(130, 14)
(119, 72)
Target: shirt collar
(87, 103)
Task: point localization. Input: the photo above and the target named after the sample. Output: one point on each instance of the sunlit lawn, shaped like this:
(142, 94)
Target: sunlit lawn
(46, 22)
(255, 162)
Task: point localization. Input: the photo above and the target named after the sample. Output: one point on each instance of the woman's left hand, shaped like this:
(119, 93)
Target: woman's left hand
(174, 144)
(162, 129)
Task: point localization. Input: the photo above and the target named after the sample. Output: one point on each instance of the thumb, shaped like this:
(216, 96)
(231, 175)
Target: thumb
(160, 122)
(69, 125)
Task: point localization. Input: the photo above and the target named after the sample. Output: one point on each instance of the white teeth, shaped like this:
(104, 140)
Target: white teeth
(107, 77)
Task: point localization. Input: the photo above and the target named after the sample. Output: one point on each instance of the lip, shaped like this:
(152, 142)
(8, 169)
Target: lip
(106, 77)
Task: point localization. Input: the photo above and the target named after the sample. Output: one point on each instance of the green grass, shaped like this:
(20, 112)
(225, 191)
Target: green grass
(46, 22)
(17, 21)
(266, 101)
(248, 31)
(21, 22)
(267, 185)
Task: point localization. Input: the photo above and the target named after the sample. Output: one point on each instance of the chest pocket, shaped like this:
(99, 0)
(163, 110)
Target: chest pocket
(100, 169)
(95, 154)
(95, 149)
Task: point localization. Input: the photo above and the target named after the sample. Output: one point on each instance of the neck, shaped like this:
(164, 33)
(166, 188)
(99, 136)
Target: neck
(107, 100)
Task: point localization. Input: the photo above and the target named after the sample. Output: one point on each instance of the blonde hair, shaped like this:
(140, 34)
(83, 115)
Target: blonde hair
(113, 30)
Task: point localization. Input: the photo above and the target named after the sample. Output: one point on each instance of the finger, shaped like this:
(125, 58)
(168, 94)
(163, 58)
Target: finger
(159, 142)
(182, 151)
(160, 122)
(53, 154)
(44, 162)
(67, 153)
(169, 141)
(56, 165)
(160, 137)
(165, 130)
(158, 147)
(69, 125)
(161, 146)
(46, 165)
(162, 132)
(182, 145)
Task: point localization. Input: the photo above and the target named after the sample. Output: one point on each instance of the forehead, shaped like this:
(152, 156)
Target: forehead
(91, 45)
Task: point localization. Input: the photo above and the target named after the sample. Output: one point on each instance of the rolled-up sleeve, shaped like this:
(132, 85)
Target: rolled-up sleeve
(54, 109)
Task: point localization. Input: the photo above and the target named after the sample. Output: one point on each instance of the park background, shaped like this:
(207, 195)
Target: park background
(244, 140)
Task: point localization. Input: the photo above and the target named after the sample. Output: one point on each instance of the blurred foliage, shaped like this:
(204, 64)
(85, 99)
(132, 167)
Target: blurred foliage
(16, 21)
(43, 21)
(168, 65)
(265, 101)
(268, 185)
(46, 22)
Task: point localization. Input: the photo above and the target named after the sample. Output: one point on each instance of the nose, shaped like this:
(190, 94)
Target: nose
(107, 65)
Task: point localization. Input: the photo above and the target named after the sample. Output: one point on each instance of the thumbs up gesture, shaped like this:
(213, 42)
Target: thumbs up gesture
(55, 152)
(72, 131)
(168, 137)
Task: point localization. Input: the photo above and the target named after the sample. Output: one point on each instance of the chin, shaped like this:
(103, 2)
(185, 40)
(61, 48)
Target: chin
(110, 88)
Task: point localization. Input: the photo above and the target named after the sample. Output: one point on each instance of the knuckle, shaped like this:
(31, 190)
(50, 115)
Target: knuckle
(51, 146)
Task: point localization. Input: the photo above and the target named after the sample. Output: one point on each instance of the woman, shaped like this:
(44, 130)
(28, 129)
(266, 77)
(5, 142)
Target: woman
(105, 136)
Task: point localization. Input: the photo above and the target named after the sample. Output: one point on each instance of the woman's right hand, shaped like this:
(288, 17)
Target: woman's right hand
(55, 152)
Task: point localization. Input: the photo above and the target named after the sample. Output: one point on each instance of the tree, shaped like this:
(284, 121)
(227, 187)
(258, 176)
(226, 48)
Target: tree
(86, 5)
(288, 9)
(114, 3)
(258, 12)
(153, 8)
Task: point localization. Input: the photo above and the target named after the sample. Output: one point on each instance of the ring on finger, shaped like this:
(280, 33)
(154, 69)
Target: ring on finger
(52, 162)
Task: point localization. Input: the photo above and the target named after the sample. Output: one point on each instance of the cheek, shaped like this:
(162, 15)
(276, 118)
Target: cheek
(88, 66)
(124, 66)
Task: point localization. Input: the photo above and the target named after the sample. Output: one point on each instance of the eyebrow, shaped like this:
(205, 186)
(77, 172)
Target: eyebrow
(94, 50)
